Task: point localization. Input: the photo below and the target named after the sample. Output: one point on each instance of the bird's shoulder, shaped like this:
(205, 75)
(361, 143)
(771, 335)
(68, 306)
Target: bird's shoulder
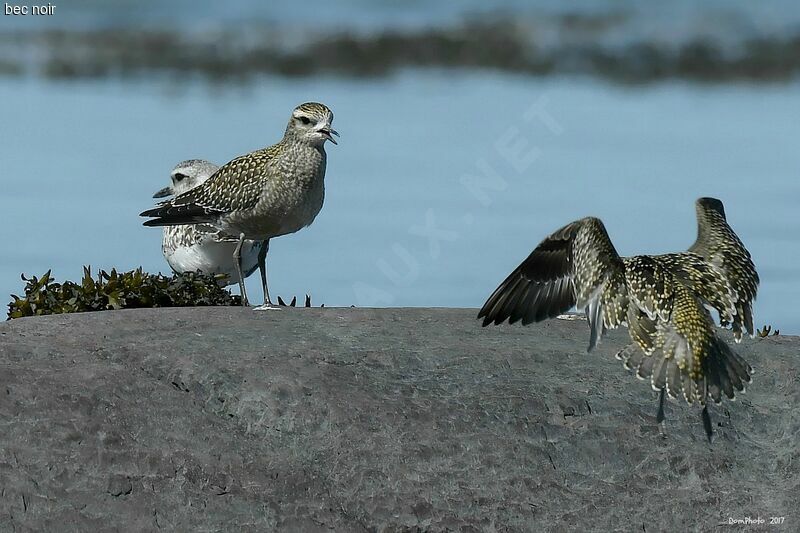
(235, 185)
(243, 167)
(650, 285)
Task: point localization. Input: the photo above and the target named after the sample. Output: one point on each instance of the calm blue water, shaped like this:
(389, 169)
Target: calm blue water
(81, 160)
(376, 14)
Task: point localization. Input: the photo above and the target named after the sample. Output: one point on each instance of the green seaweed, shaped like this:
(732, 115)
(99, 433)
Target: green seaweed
(118, 290)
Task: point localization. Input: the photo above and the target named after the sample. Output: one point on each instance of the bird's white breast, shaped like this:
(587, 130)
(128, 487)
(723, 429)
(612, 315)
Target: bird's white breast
(187, 250)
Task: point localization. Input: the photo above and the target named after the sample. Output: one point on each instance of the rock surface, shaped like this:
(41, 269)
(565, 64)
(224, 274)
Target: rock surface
(220, 419)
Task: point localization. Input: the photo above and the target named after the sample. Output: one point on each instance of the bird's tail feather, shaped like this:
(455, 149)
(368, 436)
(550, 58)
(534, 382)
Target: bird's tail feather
(725, 371)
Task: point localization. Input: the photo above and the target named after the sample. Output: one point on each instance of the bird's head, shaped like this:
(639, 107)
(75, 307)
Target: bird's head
(708, 205)
(186, 176)
(311, 123)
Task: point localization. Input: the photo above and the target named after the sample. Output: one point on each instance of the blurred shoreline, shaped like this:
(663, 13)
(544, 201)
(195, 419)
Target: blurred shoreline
(598, 45)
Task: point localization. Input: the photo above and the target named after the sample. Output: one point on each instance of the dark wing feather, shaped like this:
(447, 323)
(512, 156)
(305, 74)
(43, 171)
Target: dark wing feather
(576, 265)
(540, 287)
(169, 214)
(236, 185)
(725, 371)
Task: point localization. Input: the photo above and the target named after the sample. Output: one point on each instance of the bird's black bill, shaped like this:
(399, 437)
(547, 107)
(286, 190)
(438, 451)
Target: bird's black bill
(329, 135)
(166, 191)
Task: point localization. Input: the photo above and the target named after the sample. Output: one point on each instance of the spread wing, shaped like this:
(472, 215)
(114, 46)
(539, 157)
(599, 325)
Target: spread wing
(718, 244)
(235, 186)
(575, 266)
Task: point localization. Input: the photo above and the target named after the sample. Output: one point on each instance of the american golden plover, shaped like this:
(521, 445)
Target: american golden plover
(187, 248)
(264, 194)
(722, 250)
(660, 298)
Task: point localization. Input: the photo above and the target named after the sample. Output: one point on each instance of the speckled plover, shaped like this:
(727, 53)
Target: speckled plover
(264, 194)
(188, 248)
(660, 298)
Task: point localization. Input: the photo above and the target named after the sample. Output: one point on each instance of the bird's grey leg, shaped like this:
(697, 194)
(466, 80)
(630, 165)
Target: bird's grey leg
(237, 260)
(262, 267)
(707, 422)
(660, 414)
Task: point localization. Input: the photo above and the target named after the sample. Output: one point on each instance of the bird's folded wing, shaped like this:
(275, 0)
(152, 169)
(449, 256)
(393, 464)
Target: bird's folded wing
(650, 286)
(738, 267)
(231, 188)
(642, 330)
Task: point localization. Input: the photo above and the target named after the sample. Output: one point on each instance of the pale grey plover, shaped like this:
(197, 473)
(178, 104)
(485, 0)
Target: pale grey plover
(264, 194)
(190, 248)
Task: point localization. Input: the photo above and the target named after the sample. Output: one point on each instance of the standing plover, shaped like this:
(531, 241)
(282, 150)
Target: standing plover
(187, 248)
(661, 302)
(264, 194)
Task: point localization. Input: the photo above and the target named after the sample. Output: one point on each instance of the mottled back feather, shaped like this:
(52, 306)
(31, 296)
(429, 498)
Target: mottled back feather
(206, 202)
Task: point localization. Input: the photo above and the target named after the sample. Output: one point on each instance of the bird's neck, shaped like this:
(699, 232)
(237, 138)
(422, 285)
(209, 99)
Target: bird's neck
(293, 147)
(708, 224)
(298, 144)
(302, 161)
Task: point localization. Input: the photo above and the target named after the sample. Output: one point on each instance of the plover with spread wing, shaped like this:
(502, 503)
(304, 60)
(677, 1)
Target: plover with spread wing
(722, 251)
(261, 195)
(188, 248)
(661, 300)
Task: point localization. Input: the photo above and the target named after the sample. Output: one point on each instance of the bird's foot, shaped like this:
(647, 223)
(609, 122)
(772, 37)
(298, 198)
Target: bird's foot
(571, 316)
(268, 306)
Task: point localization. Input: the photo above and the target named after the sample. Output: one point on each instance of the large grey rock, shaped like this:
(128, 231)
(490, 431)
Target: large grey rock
(220, 419)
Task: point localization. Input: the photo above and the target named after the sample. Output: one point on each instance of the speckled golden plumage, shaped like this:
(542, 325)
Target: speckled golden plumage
(684, 355)
(264, 194)
(660, 298)
(719, 245)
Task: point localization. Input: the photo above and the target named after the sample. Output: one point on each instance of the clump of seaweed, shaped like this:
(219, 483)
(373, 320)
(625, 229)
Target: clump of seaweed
(118, 290)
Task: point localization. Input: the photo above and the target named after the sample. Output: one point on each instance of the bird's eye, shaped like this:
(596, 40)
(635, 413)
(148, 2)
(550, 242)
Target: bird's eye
(179, 176)
(305, 120)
